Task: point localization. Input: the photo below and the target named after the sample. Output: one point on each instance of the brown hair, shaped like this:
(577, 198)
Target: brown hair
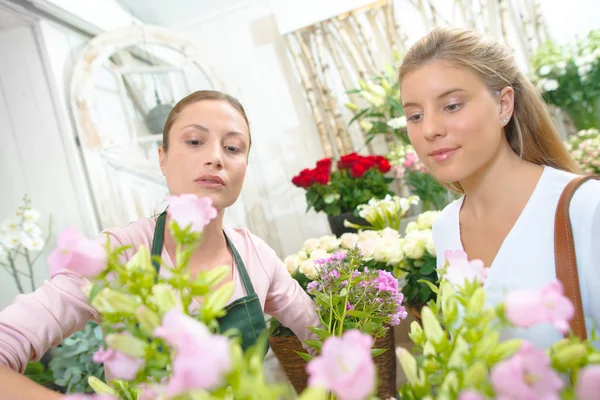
(531, 132)
(201, 95)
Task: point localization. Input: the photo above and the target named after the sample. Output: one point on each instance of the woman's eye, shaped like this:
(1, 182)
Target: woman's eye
(415, 117)
(453, 107)
(193, 142)
(233, 149)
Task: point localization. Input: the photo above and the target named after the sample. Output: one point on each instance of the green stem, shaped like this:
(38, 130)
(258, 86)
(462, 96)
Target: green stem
(14, 271)
(30, 267)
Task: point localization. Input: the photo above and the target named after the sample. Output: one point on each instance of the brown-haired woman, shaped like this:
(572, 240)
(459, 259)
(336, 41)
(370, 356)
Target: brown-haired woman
(205, 149)
(482, 130)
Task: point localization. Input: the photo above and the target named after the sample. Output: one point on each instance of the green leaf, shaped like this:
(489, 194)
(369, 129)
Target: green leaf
(427, 268)
(315, 344)
(94, 292)
(306, 357)
(377, 352)
(359, 314)
(433, 287)
(321, 333)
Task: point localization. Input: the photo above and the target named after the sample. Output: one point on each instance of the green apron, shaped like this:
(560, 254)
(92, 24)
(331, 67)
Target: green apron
(244, 314)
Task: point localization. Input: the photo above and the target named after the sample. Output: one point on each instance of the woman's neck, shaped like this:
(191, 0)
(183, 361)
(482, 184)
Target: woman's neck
(506, 181)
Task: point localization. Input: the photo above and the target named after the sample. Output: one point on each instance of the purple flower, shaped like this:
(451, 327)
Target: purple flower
(334, 274)
(355, 274)
(349, 306)
(313, 286)
(386, 282)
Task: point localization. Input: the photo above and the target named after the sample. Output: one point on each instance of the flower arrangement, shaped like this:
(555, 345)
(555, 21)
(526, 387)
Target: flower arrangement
(383, 114)
(407, 166)
(569, 77)
(356, 180)
(585, 150)
(418, 266)
(461, 354)
(21, 236)
(157, 327)
(384, 213)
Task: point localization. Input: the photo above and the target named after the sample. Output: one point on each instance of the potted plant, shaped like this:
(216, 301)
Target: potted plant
(338, 192)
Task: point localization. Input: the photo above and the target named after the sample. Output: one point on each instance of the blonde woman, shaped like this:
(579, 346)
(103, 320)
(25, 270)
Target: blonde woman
(481, 129)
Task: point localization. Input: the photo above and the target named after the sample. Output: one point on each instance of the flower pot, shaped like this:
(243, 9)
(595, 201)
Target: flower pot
(336, 223)
(386, 366)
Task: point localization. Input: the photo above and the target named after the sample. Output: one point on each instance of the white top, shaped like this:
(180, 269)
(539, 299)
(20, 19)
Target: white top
(525, 259)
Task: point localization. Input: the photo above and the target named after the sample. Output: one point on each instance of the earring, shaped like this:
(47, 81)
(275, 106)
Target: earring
(505, 119)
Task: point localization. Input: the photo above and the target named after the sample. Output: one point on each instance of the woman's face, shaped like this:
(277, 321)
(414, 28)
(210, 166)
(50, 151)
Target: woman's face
(207, 152)
(454, 122)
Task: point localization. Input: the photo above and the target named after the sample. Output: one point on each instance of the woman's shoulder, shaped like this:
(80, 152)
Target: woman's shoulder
(448, 217)
(586, 199)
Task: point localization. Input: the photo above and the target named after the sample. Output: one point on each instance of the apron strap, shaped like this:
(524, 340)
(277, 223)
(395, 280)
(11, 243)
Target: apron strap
(158, 239)
(157, 245)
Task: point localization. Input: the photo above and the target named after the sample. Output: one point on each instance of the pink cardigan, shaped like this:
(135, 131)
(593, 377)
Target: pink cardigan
(37, 321)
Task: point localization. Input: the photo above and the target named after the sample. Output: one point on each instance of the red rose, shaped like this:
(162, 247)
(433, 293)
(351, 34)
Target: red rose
(304, 179)
(368, 162)
(357, 170)
(348, 160)
(384, 165)
(322, 178)
(325, 163)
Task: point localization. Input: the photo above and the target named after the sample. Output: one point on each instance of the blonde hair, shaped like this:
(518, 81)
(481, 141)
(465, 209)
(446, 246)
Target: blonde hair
(531, 133)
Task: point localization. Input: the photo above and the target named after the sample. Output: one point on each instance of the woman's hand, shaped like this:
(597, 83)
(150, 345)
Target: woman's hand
(17, 387)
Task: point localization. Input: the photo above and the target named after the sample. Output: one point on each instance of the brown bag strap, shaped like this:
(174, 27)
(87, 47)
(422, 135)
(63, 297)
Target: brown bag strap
(564, 254)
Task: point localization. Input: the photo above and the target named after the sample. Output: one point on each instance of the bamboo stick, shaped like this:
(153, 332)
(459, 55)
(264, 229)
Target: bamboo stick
(319, 88)
(401, 42)
(362, 37)
(383, 44)
(350, 47)
(310, 95)
(389, 26)
(350, 31)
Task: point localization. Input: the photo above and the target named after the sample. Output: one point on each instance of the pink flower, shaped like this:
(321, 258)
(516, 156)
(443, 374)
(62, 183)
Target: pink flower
(526, 376)
(410, 159)
(78, 254)
(120, 365)
(191, 210)
(345, 366)
(470, 395)
(588, 383)
(524, 308)
(80, 396)
(193, 341)
(386, 282)
(460, 268)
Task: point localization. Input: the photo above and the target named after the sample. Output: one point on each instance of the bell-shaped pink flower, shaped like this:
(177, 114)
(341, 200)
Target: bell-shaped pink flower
(120, 365)
(191, 210)
(345, 366)
(588, 383)
(525, 308)
(202, 359)
(527, 375)
(79, 254)
(81, 396)
(470, 394)
(459, 268)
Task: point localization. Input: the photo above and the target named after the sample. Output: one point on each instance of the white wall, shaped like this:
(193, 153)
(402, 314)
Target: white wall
(34, 156)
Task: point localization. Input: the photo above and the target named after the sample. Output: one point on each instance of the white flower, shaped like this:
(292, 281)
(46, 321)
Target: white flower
(10, 225)
(366, 125)
(429, 245)
(329, 243)
(31, 215)
(584, 70)
(412, 226)
(396, 123)
(310, 245)
(413, 249)
(292, 263)
(389, 251)
(426, 219)
(550, 85)
(367, 248)
(390, 234)
(11, 240)
(32, 229)
(368, 235)
(405, 203)
(32, 243)
(308, 269)
(349, 240)
(545, 70)
(319, 254)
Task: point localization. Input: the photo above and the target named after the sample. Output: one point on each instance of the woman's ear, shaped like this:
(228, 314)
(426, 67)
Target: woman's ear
(162, 158)
(507, 104)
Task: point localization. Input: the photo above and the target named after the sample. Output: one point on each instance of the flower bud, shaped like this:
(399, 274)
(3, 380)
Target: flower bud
(149, 320)
(127, 344)
(100, 387)
(409, 366)
(570, 356)
(141, 261)
(450, 383)
(475, 374)
(351, 106)
(486, 345)
(593, 358)
(416, 333)
(110, 301)
(164, 296)
(504, 350)
(433, 329)
(429, 350)
(456, 359)
(477, 301)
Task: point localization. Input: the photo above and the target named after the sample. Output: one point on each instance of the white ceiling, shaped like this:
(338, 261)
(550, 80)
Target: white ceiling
(174, 12)
(9, 20)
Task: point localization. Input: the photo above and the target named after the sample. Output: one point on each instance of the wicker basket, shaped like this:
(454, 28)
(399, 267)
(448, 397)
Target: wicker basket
(295, 367)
